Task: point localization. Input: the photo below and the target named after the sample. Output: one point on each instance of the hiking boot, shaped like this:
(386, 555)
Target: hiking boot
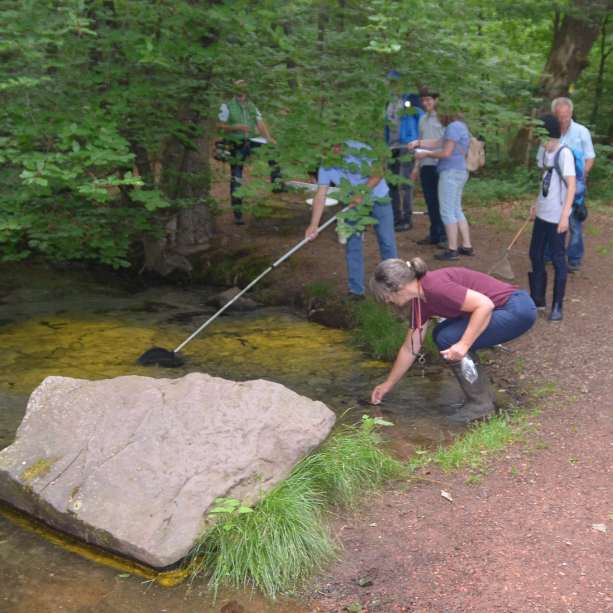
(448, 254)
(538, 288)
(559, 288)
(466, 251)
(479, 395)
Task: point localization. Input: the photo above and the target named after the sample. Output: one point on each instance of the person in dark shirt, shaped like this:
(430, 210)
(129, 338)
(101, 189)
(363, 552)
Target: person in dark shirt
(479, 312)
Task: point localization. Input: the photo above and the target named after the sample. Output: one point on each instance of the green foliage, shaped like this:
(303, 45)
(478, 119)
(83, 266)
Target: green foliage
(285, 539)
(378, 330)
(517, 184)
(100, 101)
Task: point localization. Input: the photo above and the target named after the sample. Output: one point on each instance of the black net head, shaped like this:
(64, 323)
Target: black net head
(161, 357)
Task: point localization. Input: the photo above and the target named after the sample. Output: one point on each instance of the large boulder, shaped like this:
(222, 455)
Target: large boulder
(132, 464)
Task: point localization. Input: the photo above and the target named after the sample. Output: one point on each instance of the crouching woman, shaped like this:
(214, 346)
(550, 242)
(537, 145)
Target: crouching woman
(479, 312)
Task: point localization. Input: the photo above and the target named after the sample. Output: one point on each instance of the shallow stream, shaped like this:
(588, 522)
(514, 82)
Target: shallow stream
(58, 323)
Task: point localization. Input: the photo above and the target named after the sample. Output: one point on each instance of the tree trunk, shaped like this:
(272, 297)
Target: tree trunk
(574, 36)
(604, 54)
(572, 42)
(185, 179)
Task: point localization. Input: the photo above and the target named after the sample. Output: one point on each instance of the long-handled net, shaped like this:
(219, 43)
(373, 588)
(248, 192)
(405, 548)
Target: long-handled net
(173, 359)
(502, 267)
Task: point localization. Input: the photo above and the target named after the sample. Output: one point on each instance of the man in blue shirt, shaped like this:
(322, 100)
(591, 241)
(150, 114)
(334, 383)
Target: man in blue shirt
(575, 136)
(402, 115)
(352, 172)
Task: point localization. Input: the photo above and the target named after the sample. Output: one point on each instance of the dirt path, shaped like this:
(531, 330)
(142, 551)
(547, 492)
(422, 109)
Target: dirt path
(536, 533)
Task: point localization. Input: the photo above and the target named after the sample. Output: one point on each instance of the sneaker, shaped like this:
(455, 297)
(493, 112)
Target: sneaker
(442, 245)
(448, 254)
(574, 267)
(466, 251)
(238, 221)
(403, 227)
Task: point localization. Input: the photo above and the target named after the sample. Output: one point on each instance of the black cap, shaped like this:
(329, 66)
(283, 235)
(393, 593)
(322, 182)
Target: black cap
(552, 125)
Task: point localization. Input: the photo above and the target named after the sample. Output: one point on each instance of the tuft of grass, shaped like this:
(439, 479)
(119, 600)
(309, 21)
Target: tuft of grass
(285, 539)
(351, 465)
(378, 330)
(474, 448)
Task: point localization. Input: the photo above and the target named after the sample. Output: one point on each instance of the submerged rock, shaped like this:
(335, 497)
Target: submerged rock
(242, 304)
(133, 463)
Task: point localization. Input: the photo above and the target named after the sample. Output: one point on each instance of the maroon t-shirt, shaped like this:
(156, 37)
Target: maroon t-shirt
(445, 291)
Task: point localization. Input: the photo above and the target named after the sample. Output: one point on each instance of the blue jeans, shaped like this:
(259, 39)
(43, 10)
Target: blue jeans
(354, 249)
(545, 237)
(575, 249)
(450, 187)
(508, 322)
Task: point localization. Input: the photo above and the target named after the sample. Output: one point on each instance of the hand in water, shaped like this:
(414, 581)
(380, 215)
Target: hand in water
(377, 394)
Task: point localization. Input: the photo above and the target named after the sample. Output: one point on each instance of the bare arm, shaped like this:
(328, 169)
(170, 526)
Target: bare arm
(480, 308)
(264, 131)
(588, 166)
(445, 152)
(404, 360)
(425, 143)
(319, 202)
(571, 188)
(233, 127)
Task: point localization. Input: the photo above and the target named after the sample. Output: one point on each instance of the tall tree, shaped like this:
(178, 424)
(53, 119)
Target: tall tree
(574, 34)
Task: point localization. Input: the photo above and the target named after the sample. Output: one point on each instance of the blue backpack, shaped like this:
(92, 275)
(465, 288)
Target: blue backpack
(579, 208)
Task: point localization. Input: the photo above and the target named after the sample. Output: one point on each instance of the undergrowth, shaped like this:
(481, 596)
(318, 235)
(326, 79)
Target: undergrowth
(510, 185)
(285, 539)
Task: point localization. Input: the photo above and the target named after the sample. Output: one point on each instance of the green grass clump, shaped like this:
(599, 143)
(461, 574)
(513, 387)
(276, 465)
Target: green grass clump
(285, 539)
(473, 448)
(378, 330)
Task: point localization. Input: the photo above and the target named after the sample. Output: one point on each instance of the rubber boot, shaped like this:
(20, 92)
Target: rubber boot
(559, 288)
(479, 395)
(538, 288)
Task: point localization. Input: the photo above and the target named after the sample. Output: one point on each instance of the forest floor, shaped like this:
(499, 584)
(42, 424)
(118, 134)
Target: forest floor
(534, 533)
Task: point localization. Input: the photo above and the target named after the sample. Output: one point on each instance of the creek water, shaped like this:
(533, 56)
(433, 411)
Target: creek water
(59, 323)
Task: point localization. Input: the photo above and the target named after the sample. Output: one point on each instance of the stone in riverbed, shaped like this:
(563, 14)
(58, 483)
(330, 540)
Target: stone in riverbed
(132, 464)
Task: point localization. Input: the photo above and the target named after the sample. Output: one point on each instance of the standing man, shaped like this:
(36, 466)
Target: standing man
(430, 127)
(578, 137)
(351, 171)
(241, 122)
(402, 115)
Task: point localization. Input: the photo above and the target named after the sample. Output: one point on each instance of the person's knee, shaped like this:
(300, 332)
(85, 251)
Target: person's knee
(441, 337)
(447, 216)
